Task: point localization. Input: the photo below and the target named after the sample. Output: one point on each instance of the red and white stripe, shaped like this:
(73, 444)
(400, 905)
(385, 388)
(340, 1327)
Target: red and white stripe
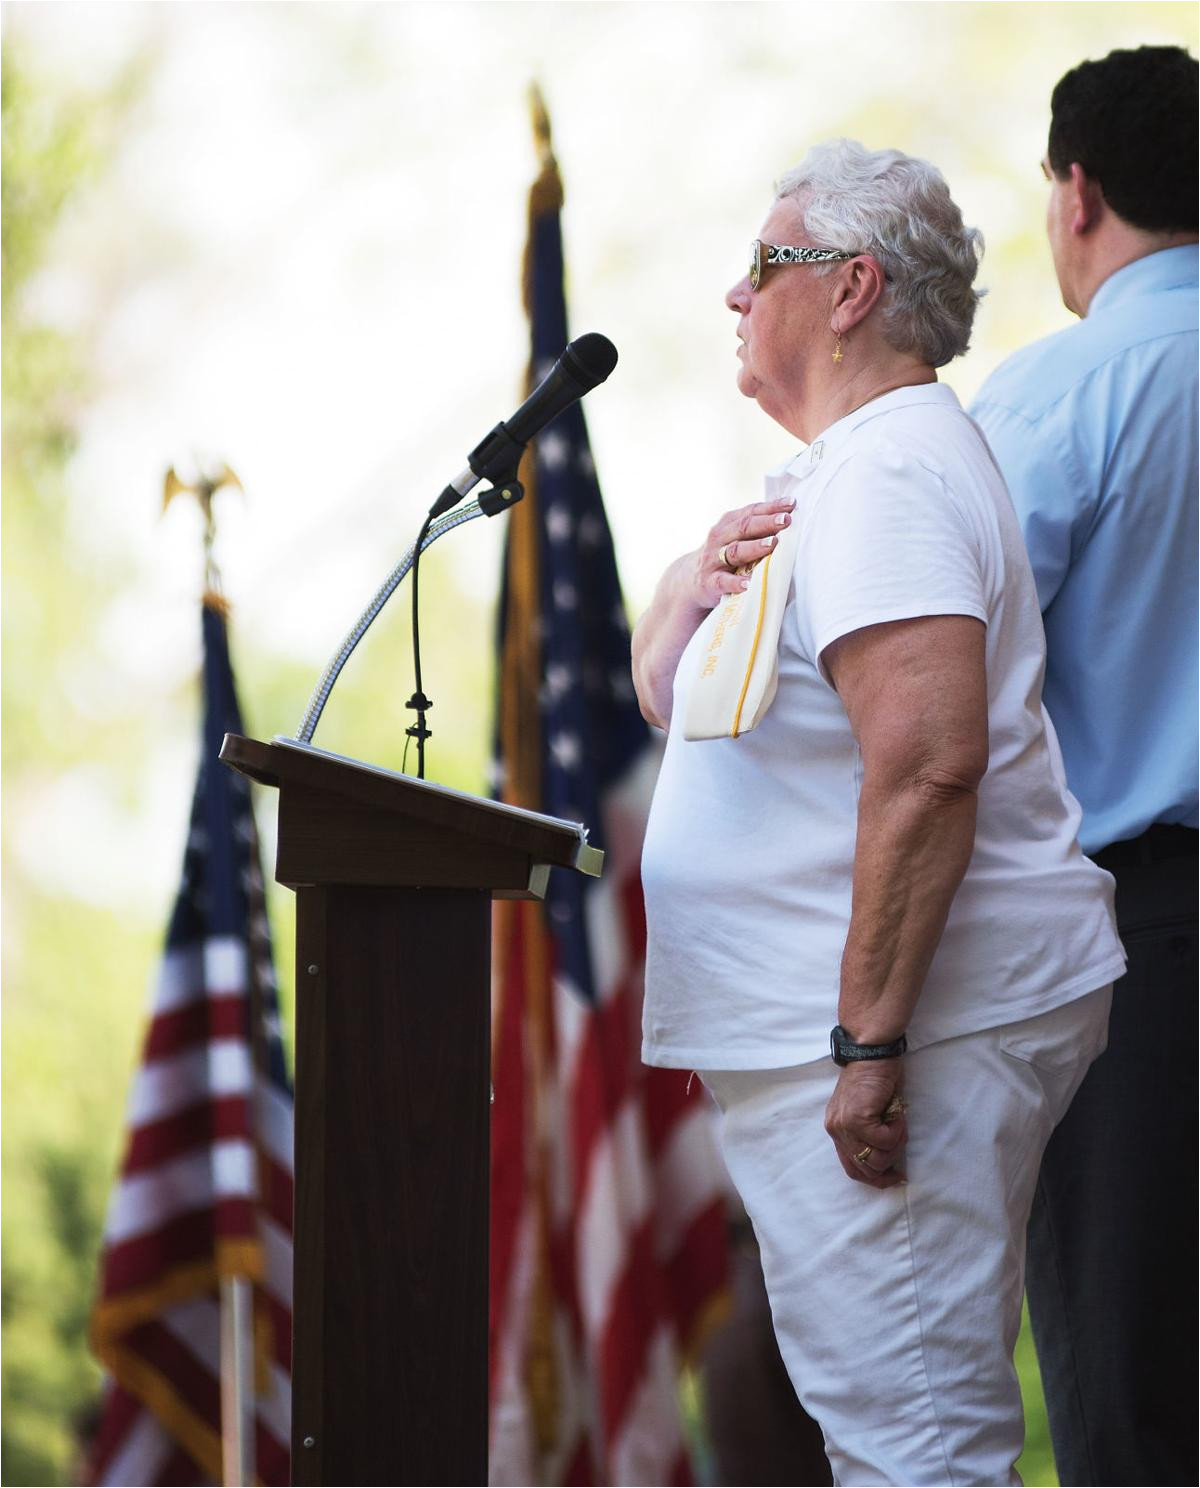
(638, 1240)
(209, 1161)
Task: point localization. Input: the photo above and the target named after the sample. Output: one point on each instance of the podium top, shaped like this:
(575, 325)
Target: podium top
(289, 762)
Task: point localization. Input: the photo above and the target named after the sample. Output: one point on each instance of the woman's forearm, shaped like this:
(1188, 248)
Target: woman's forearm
(914, 843)
(661, 636)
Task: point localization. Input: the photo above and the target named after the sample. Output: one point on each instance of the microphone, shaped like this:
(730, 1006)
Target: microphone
(583, 364)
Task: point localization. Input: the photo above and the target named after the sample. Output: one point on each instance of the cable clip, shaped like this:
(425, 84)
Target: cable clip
(500, 497)
(417, 730)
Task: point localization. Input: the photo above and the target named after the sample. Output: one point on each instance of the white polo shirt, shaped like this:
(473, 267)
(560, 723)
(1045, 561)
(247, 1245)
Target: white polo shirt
(749, 849)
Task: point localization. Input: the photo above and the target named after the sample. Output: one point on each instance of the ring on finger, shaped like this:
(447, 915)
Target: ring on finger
(861, 1157)
(723, 555)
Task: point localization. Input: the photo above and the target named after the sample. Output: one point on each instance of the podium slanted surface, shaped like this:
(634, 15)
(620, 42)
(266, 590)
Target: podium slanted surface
(394, 879)
(341, 821)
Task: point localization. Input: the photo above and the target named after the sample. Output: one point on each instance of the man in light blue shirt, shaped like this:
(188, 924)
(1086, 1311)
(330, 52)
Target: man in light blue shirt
(1095, 430)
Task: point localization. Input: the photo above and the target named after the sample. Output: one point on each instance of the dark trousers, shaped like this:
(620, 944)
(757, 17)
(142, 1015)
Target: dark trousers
(758, 1431)
(1112, 1249)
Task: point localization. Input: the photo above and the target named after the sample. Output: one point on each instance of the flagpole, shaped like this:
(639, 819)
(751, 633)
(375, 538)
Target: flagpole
(236, 1293)
(237, 1363)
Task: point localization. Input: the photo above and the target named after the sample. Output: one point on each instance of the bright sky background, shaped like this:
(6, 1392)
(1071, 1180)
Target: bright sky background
(307, 263)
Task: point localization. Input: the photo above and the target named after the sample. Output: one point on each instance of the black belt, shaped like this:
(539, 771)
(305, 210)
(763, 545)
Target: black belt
(1157, 844)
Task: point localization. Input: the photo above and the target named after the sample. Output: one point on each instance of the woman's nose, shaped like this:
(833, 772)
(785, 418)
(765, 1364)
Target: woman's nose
(738, 297)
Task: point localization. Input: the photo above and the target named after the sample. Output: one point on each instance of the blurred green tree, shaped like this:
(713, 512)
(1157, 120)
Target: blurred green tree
(60, 1019)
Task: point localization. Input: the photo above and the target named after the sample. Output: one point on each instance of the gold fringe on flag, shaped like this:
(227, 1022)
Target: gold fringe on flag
(520, 754)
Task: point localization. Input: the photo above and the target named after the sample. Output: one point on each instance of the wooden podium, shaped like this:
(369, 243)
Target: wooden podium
(394, 879)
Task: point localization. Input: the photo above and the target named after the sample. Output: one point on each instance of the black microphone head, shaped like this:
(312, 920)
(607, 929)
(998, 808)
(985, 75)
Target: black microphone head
(581, 366)
(589, 359)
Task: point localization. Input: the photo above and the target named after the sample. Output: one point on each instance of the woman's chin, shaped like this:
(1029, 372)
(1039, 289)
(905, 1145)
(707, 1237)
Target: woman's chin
(748, 384)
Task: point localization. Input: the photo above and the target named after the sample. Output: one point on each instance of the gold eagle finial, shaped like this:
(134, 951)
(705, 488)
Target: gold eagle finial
(204, 487)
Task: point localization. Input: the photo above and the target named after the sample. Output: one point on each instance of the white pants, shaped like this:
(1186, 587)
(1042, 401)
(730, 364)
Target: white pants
(897, 1310)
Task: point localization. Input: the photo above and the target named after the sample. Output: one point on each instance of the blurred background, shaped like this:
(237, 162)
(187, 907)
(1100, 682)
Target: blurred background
(289, 236)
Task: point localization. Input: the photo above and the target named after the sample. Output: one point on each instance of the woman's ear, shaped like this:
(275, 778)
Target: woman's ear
(859, 287)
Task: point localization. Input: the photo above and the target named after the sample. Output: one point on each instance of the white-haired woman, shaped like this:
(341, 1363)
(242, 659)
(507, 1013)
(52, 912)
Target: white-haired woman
(889, 849)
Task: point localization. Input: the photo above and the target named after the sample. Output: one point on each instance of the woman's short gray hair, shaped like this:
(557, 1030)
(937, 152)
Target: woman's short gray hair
(899, 210)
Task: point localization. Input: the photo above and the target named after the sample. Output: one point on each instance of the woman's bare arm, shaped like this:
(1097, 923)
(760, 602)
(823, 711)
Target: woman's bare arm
(915, 692)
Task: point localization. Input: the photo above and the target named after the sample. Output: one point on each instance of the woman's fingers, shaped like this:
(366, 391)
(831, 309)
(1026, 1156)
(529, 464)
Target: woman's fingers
(763, 519)
(872, 1177)
(869, 1161)
(738, 541)
(746, 552)
(866, 1120)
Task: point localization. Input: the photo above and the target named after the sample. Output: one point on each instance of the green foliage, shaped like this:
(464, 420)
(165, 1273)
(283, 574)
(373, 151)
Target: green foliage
(69, 1046)
(70, 1012)
(1036, 1463)
(55, 145)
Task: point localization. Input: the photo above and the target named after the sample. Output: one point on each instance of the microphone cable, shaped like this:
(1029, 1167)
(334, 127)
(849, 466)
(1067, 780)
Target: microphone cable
(418, 701)
(320, 695)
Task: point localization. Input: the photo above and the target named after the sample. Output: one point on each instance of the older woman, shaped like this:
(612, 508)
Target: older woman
(890, 849)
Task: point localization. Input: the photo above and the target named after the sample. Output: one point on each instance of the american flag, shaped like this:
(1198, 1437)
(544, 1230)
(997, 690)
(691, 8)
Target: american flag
(608, 1224)
(205, 1191)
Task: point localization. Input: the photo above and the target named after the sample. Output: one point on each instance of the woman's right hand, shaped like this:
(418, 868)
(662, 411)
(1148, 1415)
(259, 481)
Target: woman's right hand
(689, 590)
(738, 540)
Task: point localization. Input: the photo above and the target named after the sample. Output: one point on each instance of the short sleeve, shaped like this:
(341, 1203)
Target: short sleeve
(1046, 495)
(887, 541)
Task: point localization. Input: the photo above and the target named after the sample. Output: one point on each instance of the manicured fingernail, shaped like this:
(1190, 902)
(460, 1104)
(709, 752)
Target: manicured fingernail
(781, 519)
(769, 542)
(745, 584)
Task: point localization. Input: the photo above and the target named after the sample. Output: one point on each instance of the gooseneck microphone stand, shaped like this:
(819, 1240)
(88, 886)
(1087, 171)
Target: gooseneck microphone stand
(435, 526)
(583, 364)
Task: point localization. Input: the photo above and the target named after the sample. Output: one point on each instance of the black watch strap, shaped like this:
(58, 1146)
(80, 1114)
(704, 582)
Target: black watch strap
(845, 1051)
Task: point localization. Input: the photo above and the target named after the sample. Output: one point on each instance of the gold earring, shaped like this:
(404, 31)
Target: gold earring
(837, 350)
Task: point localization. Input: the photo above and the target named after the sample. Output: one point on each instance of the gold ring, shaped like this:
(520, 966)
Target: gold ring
(861, 1157)
(723, 555)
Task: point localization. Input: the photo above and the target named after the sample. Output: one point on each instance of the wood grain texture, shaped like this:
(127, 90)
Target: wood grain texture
(312, 1140)
(393, 936)
(403, 1243)
(325, 838)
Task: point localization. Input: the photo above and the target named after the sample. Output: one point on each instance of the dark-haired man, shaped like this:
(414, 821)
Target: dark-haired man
(1095, 430)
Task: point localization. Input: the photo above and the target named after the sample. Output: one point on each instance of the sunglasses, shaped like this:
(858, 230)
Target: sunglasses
(783, 255)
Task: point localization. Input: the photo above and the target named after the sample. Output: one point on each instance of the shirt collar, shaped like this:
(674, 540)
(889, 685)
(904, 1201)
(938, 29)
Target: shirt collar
(837, 433)
(1169, 268)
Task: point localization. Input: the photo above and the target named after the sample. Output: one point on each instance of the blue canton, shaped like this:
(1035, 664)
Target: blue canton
(591, 726)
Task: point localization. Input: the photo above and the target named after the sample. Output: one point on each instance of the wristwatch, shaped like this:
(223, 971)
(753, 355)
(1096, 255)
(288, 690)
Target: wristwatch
(845, 1051)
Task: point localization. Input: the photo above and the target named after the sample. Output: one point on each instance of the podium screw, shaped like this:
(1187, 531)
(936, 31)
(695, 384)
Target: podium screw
(310, 1441)
(313, 969)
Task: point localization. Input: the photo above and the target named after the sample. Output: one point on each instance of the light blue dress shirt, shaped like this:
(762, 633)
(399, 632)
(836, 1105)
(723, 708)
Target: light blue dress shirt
(1095, 430)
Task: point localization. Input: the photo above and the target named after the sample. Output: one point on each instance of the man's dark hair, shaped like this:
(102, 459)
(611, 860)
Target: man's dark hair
(1130, 122)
